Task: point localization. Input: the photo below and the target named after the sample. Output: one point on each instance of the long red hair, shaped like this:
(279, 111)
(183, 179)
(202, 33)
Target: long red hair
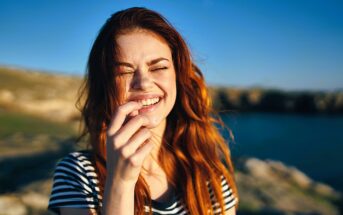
(193, 150)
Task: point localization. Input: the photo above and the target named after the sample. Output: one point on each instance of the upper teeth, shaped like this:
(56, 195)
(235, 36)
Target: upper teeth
(146, 102)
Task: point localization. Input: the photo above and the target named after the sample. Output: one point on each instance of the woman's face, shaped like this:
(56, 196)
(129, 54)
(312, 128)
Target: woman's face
(145, 66)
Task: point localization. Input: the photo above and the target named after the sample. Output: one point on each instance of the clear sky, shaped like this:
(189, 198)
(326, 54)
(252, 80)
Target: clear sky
(286, 44)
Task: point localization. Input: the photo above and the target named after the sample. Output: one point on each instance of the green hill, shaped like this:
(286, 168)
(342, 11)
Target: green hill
(42, 94)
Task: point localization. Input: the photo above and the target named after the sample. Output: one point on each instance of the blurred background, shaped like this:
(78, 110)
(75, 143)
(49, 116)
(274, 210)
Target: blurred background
(274, 70)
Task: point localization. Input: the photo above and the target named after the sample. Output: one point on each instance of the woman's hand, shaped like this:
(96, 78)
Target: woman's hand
(127, 144)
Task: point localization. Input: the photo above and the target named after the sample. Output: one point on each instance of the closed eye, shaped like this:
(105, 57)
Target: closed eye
(160, 68)
(126, 73)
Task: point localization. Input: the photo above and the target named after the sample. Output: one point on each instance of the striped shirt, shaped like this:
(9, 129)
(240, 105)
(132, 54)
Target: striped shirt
(75, 185)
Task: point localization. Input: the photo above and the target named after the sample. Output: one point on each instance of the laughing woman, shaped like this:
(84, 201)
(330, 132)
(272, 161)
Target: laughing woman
(154, 146)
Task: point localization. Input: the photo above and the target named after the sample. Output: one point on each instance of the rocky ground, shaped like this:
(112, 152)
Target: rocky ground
(271, 187)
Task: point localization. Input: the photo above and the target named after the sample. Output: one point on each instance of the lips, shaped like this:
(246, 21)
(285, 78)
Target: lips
(144, 96)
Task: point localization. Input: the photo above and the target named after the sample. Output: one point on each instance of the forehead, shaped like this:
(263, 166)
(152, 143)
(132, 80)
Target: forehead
(142, 45)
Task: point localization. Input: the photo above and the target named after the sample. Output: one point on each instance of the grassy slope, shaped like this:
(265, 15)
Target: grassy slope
(12, 122)
(37, 85)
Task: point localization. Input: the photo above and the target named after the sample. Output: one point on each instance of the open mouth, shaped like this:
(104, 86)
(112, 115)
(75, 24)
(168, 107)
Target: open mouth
(149, 104)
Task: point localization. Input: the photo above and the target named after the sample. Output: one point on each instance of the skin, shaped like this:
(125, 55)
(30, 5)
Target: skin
(134, 138)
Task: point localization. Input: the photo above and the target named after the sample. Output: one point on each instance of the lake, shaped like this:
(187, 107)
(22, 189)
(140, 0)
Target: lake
(311, 143)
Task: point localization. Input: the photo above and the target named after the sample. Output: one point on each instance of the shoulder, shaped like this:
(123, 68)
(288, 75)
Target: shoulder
(78, 158)
(75, 182)
(76, 164)
(229, 198)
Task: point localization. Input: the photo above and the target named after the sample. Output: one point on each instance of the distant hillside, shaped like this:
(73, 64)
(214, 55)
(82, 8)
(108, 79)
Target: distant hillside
(39, 93)
(274, 100)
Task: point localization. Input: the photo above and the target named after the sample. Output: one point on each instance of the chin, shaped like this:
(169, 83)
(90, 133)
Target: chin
(154, 122)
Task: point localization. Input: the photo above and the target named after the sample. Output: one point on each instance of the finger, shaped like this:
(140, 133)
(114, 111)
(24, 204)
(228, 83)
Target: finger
(138, 139)
(131, 115)
(134, 113)
(119, 117)
(138, 157)
(128, 130)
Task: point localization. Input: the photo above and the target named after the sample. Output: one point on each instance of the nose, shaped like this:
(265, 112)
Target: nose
(141, 80)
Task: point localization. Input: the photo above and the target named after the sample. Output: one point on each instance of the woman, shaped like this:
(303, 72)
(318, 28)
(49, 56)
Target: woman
(154, 146)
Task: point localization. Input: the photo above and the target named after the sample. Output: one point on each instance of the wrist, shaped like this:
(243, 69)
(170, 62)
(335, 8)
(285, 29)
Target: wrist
(118, 197)
(119, 186)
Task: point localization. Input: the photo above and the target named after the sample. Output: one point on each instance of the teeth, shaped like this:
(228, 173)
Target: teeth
(147, 102)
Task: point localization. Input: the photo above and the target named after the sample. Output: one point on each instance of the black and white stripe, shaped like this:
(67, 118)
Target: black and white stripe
(76, 186)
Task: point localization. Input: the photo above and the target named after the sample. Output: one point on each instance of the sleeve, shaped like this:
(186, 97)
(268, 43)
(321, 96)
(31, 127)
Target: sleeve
(71, 186)
(230, 200)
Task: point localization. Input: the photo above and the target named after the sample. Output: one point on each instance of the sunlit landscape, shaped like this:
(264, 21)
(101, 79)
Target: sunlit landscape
(33, 137)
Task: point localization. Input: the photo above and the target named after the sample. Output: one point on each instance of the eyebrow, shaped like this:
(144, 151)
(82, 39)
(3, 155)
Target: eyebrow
(154, 61)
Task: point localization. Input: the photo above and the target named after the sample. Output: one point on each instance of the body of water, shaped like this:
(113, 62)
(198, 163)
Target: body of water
(311, 143)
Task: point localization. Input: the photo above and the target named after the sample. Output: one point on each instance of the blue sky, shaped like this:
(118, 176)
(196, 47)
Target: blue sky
(286, 44)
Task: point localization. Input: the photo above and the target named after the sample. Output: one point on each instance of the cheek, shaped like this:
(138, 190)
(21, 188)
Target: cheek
(172, 85)
(127, 82)
(173, 90)
(168, 83)
(169, 86)
(123, 86)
